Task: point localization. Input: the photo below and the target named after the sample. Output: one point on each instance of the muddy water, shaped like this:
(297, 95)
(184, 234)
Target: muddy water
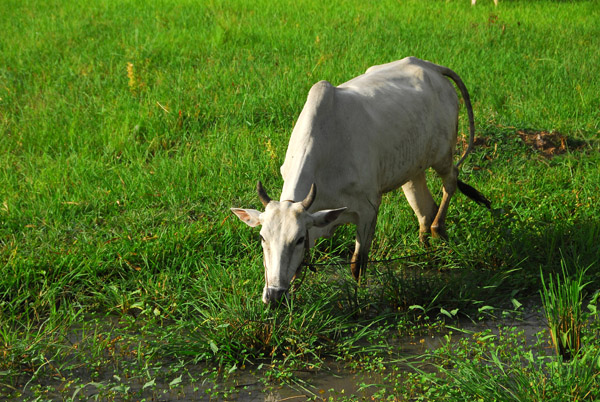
(336, 381)
(333, 381)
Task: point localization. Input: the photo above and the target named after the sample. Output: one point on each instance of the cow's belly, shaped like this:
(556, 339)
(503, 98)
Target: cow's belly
(398, 153)
(399, 165)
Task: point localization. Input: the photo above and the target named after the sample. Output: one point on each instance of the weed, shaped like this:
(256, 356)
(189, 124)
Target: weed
(562, 299)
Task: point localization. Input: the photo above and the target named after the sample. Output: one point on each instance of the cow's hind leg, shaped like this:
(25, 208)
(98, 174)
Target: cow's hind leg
(365, 230)
(449, 182)
(419, 197)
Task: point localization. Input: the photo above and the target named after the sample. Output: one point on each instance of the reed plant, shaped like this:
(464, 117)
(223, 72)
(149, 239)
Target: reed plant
(562, 298)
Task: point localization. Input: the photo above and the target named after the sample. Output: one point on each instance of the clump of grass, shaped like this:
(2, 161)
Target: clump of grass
(562, 299)
(237, 332)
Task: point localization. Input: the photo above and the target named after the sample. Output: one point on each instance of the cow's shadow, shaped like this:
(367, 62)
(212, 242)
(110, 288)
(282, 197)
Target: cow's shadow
(507, 265)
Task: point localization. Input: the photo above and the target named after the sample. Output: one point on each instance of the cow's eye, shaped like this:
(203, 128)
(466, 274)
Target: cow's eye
(300, 241)
(262, 239)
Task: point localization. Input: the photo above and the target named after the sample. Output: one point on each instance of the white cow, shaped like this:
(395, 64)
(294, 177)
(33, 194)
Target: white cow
(373, 134)
(474, 2)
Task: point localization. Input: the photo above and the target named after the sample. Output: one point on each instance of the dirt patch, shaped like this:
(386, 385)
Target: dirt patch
(549, 144)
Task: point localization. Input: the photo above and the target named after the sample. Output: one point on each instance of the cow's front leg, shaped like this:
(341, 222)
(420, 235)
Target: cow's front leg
(365, 230)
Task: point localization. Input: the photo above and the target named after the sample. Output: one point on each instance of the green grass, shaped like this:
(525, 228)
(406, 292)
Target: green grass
(128, 130)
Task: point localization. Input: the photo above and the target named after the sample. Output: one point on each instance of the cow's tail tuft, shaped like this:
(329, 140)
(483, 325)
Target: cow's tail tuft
(473, 194)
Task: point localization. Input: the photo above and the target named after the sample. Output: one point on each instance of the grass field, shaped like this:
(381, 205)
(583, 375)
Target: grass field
(128, 129)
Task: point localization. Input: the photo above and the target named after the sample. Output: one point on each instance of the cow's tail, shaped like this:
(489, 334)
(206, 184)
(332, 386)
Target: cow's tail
(464, 188)
(473, 194)
(467, 99)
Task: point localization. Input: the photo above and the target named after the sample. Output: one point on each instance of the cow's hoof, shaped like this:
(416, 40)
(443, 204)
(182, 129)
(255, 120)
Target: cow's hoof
(439, 232)
(355, 271)
(424, 238)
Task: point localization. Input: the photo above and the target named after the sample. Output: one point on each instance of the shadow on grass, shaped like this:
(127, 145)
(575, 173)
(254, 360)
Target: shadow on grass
(505, 266)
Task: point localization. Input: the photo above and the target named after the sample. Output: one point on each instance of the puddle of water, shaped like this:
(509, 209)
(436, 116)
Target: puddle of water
(335, 381)
(339, 381)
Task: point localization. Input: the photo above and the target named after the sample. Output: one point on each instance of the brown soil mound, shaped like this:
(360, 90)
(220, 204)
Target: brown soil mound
(548, 144)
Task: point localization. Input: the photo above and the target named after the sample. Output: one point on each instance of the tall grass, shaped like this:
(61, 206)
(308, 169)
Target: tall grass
(563, 300)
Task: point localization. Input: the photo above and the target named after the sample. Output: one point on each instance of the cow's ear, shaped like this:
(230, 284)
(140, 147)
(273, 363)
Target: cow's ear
(327, 216)
(250, 217)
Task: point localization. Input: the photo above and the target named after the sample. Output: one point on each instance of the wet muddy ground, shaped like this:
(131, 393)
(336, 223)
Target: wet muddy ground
(332, 381)
(342, 382)
(337, 382)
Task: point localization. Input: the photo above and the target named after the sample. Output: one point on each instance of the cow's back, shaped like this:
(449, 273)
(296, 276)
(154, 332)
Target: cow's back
(371, 134)
(401, 79)
(405, 113)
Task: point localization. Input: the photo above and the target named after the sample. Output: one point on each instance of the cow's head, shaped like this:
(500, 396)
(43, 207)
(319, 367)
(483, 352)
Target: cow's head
(284, 237)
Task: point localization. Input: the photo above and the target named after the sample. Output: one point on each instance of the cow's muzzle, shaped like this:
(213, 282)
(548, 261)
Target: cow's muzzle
(274, 296)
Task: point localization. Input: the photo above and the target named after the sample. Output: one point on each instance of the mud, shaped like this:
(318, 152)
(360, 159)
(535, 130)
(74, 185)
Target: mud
(332, 381)
(336, 381)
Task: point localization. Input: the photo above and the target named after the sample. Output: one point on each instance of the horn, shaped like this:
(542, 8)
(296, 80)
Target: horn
(262, 194)
(307, 202)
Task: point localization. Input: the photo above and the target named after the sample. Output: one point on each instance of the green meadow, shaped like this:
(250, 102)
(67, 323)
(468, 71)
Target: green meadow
(129, 128)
